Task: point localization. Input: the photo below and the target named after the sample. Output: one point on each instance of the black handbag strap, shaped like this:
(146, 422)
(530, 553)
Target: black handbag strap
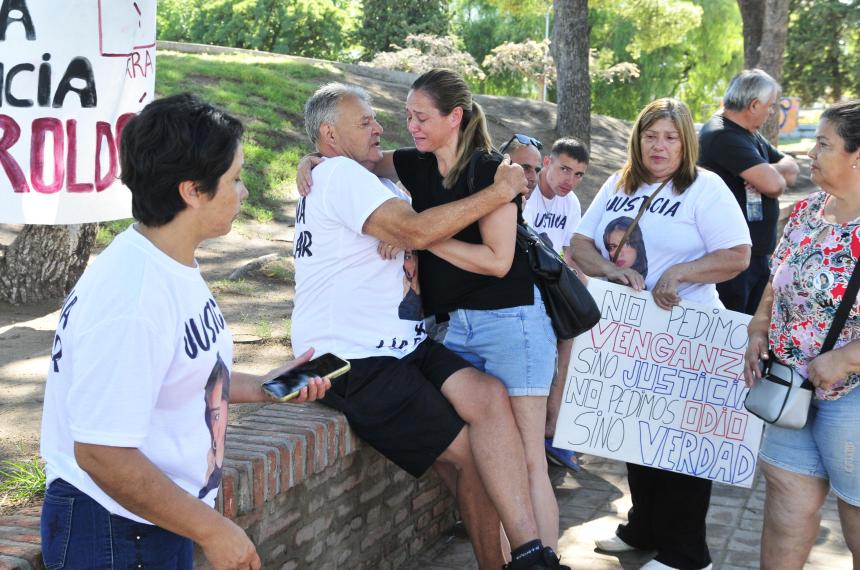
(843, 309)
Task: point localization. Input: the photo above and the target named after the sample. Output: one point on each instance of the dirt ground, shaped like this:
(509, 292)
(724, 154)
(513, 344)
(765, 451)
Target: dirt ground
(259, 305)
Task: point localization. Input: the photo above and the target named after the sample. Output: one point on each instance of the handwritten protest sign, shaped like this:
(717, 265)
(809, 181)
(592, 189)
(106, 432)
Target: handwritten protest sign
(661, 388)
(72, 73)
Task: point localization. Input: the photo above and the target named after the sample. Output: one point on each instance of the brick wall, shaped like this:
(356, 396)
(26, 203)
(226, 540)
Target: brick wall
(307, 491)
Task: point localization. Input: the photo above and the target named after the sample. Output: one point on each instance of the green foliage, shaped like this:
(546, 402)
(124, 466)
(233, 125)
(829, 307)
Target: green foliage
(268, 95)
(108, 230)
(712, 57)
(486, 24)
(822, 64)
(22, 480)
(263, 328)
(693, 62)
(231, 286)
(282, 269)
(312, 28)
(657, 23)
(388, 22)
(424, 52)
(521, 8)
(529, 58)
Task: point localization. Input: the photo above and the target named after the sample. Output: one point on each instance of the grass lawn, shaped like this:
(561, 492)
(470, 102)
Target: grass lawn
(268, 94)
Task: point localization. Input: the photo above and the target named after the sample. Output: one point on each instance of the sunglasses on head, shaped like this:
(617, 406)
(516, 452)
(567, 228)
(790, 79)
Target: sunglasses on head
(522, 139)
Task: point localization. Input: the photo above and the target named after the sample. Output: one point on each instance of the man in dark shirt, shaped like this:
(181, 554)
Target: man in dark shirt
(754, 170)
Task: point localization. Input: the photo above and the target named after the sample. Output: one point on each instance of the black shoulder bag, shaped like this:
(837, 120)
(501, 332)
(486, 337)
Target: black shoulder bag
(570, 306)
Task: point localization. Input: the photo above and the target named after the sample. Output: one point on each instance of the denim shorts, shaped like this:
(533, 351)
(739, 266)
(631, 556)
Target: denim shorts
(516, 345)
(827, 448)
(77, 532)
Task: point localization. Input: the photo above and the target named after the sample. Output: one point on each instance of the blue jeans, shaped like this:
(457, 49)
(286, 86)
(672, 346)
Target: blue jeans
(516, 345)
(827, 448)
(78, 533)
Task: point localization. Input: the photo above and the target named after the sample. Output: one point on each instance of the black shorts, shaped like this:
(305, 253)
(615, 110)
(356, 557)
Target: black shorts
(396, 405)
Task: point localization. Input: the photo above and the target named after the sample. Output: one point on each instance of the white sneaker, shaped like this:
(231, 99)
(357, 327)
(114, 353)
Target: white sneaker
(613, 544)
(654, 565)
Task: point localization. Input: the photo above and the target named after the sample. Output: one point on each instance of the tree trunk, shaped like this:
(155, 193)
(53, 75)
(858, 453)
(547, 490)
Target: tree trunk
(44, 262)
(570, 50)
(752, 14)
(765, 25)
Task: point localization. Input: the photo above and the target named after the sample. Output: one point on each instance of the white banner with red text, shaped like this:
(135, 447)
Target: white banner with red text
(72, 73)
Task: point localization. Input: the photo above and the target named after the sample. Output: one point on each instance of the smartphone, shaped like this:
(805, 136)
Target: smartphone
(288, 385)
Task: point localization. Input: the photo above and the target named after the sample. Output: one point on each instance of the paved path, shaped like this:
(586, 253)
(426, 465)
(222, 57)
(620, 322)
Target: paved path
(593, 502)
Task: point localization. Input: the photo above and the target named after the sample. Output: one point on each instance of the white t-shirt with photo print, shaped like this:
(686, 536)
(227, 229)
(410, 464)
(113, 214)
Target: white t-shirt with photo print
(349, 300)
(675, 229)
(141, 358)
(556, 218)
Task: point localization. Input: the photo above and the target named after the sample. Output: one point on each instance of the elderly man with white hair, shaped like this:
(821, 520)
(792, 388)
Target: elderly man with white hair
(754, 170)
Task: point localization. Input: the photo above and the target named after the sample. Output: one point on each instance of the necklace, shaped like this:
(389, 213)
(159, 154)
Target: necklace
(543, 201)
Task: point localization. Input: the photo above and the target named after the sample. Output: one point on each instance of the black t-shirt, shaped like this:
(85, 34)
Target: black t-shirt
(445, 287)
(728, 149)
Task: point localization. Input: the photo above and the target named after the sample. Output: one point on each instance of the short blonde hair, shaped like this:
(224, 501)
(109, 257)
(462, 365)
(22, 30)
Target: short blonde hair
(634, 174)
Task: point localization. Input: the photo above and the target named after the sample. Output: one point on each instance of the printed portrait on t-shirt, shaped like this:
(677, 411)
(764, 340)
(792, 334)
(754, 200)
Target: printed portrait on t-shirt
(632, 253)
(216, 396)
(410, 306)
(824, 280)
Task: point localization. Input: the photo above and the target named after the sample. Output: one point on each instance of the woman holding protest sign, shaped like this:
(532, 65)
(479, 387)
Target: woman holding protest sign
(811, 268)
(694, 236)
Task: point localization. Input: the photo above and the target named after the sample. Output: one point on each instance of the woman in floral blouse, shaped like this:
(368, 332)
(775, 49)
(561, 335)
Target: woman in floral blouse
(811, 268)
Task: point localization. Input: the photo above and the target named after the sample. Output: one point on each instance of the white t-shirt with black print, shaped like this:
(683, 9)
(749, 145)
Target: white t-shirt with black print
(555, 218)
(675, 229)
(349, 300)
(141, 358)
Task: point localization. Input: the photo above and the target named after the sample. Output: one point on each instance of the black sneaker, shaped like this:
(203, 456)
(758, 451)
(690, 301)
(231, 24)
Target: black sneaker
(547, 560)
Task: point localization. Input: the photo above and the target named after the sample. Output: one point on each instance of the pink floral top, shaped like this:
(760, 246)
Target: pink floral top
(811, 268)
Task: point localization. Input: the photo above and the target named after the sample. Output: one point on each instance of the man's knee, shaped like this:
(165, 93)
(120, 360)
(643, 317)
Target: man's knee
(458, 454)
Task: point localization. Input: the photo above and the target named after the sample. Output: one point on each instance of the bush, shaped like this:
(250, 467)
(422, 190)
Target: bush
(424, 52)
(386, 23)
(527, 61)
(310, 28)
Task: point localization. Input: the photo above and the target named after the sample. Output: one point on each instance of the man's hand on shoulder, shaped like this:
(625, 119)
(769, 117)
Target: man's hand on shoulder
(303, 173)
(510, 180)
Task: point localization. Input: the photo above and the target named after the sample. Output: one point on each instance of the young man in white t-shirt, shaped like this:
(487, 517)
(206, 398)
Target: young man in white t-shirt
(409, 397)
(135, 409)
(554, 212)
